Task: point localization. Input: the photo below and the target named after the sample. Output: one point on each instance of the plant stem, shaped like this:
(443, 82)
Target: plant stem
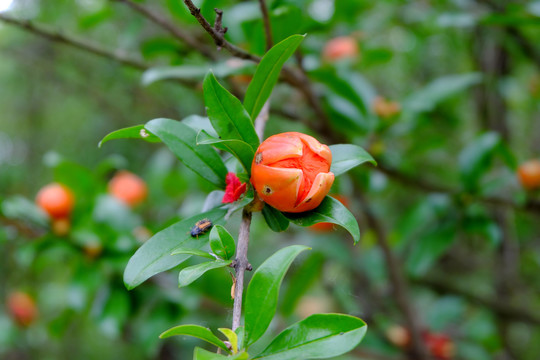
(240, 266)
(267, 25)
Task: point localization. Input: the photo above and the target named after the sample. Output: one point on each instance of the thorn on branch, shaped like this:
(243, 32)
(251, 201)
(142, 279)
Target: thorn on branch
(218, 26)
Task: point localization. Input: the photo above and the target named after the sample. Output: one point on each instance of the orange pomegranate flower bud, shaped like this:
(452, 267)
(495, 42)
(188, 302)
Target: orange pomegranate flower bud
(56, 200)
(291, 172)
(22, 308)
(128, 187)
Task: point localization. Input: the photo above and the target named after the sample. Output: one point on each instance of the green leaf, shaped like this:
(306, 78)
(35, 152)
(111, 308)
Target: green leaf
(196, 72)
(195, 331)
(134, 132)
(196, 252)
(232, 337)
(267, 74)
(430, 247)
(263, 290)
(154, 256)
(319, 336)
(331, 211)
(222, 243)
(275, 219)
(201, 354)
(476, 158)
(181, 139)
(238, 148)
(20, 208)
(438, 90)
(347, 156)
(192, 273)
(227, 114)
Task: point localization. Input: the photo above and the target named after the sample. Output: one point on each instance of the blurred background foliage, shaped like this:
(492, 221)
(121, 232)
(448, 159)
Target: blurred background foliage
(444, 94)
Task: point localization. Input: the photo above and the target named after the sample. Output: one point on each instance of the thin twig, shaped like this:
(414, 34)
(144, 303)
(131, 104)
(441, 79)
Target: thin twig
(72, 41)
(171, 28)
(399, 283)
(267, 24)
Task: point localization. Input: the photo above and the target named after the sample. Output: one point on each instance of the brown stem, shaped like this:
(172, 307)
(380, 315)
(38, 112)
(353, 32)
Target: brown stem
(399, 283)
(267, 25)
(171, 28)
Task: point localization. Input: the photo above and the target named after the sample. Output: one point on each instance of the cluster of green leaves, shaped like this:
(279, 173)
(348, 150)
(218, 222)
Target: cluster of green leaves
(232, 131)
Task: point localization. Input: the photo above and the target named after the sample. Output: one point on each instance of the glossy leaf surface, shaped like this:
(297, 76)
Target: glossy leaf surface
(196, 252)
(201, 354)
(263, 290)
(181, 140)
(227, 114)
(346, 157)
(195, 331)
(275, 219)
(267, 74)
(133, 132)
(154, 256)
(238, 148)
(319, 336)
(331, 211)
(222, 242)
(192, 273)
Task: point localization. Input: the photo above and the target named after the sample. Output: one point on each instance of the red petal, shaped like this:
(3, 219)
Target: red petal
(234, 188)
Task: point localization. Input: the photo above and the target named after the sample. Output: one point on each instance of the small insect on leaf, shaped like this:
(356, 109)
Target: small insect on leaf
(201, 227)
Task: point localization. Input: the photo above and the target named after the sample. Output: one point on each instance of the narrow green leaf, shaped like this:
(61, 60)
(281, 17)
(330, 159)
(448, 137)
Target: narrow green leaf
(192, 273)
(154, 256)
(267, 74)
(195, 72)
(227, 114)
(331, 211)
(438, 90)
(263, 290)
(195, 331)
(347, 156)
(222, 243)
(477, 157)
(275, 219)
(134, 132)
(319, 336)
(201, 354)
(238, 148)
(429, 247)
(232, 337)
(181, 139)
(196, 252)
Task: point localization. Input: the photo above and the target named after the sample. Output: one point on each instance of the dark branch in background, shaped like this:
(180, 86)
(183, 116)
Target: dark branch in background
(267, 25)
(399, 283)
(514, 33)
(217, 35)
(501, 308)
(171, 28)
(72, 41)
